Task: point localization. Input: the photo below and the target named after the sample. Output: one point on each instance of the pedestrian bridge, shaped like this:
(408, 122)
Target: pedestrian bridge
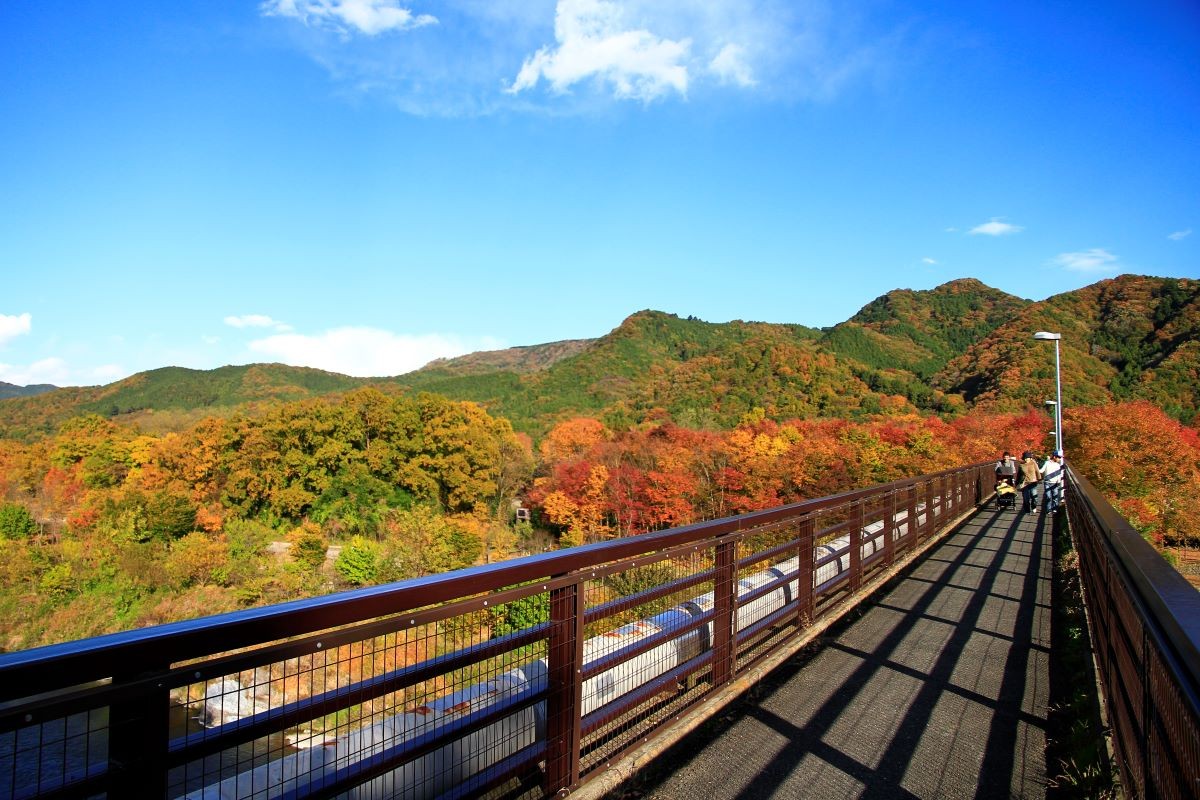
(892, 641)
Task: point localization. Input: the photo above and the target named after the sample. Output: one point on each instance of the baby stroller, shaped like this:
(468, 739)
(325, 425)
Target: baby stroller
(1006, 494)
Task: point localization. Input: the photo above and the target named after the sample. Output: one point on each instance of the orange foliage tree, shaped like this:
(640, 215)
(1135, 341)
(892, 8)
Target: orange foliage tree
(1147, 463)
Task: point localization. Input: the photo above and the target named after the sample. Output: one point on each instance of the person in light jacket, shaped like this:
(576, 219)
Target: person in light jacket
(1030, 475)
(1052, 476)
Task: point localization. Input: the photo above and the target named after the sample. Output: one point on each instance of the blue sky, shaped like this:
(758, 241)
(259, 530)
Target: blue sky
(364, 185)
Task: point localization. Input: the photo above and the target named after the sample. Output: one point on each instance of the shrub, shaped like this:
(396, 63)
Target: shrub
(358, 563)
(16, 522)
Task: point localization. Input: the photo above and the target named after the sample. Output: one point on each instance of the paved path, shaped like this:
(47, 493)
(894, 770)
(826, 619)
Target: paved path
(938, 690)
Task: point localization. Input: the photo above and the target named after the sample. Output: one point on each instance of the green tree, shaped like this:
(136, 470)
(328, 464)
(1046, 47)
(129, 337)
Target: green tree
(358, 563)
(16, 522)
(521, 614)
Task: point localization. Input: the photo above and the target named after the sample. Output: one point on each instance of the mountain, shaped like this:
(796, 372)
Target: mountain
(1130, 337)
(531, 358)
(932, 350)
(701, 373)
(11, 390)
(189, 393)
(921, 331)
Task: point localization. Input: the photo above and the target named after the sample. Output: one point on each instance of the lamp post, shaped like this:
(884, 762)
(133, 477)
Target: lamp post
(1056, 338)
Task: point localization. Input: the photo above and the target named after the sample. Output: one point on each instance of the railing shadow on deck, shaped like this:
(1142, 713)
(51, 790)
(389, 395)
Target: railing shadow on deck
(516, 678)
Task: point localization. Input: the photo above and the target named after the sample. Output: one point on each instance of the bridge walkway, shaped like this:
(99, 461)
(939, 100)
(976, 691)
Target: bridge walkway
(936, 688)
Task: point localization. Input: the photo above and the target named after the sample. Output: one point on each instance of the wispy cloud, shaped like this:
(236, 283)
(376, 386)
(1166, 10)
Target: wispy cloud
(366, 352)
(1095, 260)
(995, 227)
(14, 325)
(257, 321)
(730, 66)
(1179, 235)
(595, 41)
(484, 56)
(369, 17)
(928, 260)
(47, 370)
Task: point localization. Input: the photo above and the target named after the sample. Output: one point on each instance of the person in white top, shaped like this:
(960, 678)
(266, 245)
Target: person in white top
(1052, 477)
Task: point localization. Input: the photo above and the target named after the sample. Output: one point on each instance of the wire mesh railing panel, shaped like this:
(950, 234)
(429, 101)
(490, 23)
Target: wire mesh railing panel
(1174, 747)
(643, 655)
(410, 713)
(47, 756)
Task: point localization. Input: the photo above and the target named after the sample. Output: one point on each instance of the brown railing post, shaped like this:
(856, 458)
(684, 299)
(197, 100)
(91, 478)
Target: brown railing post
(889, 526)
(564, 700)
(927, 530)
(138, 733)
(724, 608)
(804, 574)
(910, 498)
(856, 545)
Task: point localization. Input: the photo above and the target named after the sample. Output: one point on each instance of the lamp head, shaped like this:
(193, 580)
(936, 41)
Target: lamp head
(1047, 336)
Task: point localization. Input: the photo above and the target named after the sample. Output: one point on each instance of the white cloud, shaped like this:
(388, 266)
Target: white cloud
(47, 370)
(12, 326)
(596, 43)
(366, 352)
(370, 17)
(1095, 260)
(486, 56)
(995, 228)
(928, 260)
(1180, 235)
(730, 66)
(257, 321)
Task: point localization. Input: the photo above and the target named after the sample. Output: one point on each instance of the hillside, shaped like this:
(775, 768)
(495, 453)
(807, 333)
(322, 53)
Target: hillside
(10, 390)
(700, 373)
(531, 358)
(1130, 337)
(921, 331)
(935, 350)
(212, 392)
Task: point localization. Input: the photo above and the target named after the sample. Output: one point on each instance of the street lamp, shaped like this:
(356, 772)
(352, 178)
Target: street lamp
(1056, 338)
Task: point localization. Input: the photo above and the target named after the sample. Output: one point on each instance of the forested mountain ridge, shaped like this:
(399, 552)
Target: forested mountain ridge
(11, 390)
(920, 331)
(529, 358)
(698, 372)
(943, 349)
(1128, 338)
(189, 392)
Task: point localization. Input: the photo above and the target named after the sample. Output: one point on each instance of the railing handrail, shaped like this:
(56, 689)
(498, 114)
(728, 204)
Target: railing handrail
(51, 667)
(1171, 604)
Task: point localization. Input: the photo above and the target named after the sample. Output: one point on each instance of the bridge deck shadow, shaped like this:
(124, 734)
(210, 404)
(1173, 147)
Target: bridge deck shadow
(936, 688)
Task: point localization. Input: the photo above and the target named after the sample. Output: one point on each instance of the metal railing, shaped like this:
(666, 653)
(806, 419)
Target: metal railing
(1144, 620)
(519, 678)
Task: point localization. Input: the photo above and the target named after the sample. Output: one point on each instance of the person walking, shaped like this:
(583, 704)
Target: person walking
(1030, 476)
(1052, 476)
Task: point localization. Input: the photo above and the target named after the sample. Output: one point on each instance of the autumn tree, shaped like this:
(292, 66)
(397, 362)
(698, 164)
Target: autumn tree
(1145, 461)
